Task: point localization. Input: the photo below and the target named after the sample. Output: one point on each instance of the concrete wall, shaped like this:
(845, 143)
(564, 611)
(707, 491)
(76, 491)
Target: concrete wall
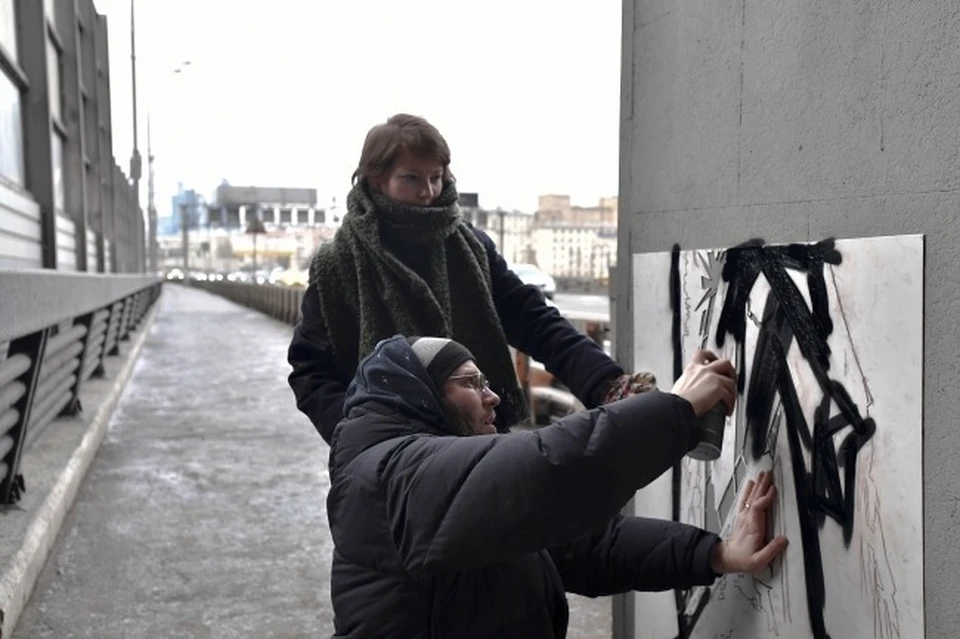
(796, 120)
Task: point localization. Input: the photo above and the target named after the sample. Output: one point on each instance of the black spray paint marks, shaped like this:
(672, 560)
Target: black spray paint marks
(676, 338)
(675, 307)
(786, 318)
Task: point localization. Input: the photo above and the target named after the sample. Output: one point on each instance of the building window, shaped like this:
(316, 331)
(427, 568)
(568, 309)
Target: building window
(56, 154)
(11, 131)
(53, 81)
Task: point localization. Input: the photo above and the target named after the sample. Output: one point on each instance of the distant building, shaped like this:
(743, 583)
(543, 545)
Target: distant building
(556, 209)
(469, 200)
(578, 242)
(576, 251)
(234, 206)
(187, 202)
(565, 241)
(510, 230)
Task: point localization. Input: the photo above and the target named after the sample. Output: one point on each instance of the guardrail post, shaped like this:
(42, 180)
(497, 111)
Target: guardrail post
(125, 318)
(32, 346)
(73, 407)
(112, 345)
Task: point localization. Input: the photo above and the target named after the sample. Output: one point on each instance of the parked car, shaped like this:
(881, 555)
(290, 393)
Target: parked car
(530, 274)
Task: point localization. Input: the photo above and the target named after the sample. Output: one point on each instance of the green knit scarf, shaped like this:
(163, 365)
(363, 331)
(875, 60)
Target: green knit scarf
(367, 293)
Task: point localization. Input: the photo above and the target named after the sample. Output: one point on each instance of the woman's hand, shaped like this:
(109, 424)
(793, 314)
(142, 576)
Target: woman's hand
(747, 549)
(628, 385)
(707, 380)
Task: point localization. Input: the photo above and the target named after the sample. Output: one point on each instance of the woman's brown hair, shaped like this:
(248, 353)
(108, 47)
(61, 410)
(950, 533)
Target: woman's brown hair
(402, 132)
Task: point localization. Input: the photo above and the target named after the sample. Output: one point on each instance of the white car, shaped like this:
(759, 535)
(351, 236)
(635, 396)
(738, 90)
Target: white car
(530, 274)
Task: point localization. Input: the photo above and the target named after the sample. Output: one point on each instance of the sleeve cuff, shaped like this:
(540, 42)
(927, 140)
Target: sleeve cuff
(688, 418)
(702, 574)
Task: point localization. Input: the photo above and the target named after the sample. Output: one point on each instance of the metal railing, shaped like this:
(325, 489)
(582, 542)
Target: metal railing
(56, 330)
(279, 302)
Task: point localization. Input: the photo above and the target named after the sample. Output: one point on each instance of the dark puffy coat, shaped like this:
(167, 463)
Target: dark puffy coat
(528, 322)
(444, 536)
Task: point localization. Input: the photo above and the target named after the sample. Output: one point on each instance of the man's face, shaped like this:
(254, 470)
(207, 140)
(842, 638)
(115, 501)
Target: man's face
(467, 393)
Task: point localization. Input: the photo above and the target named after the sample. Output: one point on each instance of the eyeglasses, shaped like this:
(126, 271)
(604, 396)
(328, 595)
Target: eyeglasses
(477, 381)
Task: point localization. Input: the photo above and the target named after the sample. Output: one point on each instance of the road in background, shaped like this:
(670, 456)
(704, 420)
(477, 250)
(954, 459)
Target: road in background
(583, 303)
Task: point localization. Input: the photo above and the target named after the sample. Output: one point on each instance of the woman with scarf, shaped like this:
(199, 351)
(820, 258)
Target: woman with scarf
(405, 262)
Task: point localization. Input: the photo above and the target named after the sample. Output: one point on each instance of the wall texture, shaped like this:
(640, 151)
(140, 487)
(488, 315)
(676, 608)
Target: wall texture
(796, 120)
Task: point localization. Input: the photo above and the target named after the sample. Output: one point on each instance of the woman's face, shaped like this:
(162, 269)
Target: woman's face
(412, 180)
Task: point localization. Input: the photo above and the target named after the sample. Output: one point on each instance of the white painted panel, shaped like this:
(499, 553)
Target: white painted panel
(17, 200)
(91, 251)
(65, 225)
(652, 317)
(66, 244)
(873, 582)
(65, 238)
(651, 292)
(19, 230)
(17, 252)
(66, 260)
(23, 226)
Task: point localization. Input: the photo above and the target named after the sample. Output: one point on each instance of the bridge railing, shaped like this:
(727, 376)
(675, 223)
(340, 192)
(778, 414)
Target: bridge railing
(56, 329)
(279, 302)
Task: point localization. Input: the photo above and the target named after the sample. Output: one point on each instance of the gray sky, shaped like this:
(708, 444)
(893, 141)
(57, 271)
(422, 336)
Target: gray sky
(281, 93)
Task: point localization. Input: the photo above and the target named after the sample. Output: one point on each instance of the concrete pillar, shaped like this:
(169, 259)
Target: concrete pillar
(243, 216)
(794, 121)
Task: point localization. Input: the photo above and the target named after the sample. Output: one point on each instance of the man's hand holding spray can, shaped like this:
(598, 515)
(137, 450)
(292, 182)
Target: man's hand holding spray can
(710, 385)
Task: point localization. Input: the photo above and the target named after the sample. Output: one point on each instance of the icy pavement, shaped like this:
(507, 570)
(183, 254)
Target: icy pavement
(203, 514)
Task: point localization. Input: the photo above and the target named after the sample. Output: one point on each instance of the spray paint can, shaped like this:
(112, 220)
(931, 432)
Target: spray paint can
(711, 425)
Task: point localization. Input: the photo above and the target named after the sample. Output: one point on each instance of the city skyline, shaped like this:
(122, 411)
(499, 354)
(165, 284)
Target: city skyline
(529, 104)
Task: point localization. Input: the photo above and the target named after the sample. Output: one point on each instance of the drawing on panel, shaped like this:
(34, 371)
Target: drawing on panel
(807, 410)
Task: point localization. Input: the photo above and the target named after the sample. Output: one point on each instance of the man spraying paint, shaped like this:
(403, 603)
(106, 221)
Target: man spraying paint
(443, 527)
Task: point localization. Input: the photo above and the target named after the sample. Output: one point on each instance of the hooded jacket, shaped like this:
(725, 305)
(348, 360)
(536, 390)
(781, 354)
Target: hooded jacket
(444, 536)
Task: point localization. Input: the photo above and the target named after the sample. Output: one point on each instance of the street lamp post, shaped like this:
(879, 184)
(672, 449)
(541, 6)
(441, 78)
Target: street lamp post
(135, 170)
(255, 227)
(185, 230)
(502, 215)
(135, 159)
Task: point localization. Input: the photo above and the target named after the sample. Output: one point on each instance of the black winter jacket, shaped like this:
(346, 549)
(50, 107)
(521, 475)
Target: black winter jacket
(443, 536)
(528, 322)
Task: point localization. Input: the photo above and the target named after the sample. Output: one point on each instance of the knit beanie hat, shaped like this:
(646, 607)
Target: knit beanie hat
(440, 356)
